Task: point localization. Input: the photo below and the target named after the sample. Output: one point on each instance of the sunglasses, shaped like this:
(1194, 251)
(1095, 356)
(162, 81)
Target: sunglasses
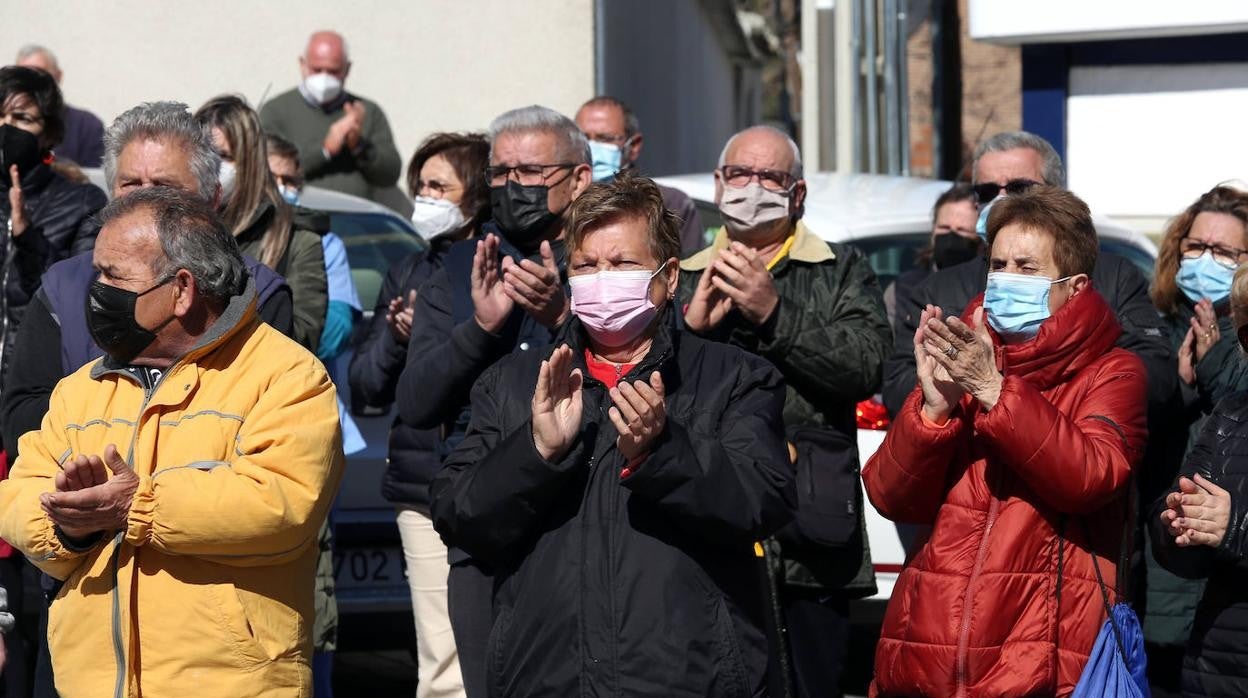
(989, 190)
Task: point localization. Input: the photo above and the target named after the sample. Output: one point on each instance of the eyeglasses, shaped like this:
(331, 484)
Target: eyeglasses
(528, 175)
(989, 190)
(440, 189)
(772, 180)
(1228, 257)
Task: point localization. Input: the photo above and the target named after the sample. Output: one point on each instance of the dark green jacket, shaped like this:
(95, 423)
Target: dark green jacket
(829, 337)
(374, 167)
(303, 266)
(1171, 600)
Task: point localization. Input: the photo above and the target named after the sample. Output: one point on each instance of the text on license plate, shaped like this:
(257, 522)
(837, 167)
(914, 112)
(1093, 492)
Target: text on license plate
(366, 567)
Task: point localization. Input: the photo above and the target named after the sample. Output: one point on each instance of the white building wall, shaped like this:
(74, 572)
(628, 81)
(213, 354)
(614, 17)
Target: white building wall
(431, 64)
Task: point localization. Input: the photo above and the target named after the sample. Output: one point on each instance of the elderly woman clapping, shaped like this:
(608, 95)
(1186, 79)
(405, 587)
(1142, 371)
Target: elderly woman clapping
(1018, 448)
(1200, 531)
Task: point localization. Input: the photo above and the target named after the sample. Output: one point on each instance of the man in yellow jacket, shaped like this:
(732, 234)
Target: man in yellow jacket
(177, 484)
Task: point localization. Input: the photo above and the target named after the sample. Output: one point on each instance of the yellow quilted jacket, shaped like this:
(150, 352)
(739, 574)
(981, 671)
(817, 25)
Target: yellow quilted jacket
(208, 592)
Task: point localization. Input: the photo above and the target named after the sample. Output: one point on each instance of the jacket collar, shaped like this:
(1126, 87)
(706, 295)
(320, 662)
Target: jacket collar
(32, 182)
(239, 314)
(807, 247)
(1078, 334)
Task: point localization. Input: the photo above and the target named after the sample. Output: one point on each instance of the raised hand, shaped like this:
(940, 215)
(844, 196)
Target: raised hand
(557, 405)
(639, 415)
(940, 393)
(1187, 358)
(742, 275)
(490, 301)
(17, 203)
(1198, 513)
(399, 317)
(104, 506)
(967, 354)
(1205, 329)
(536, 287)
(709, 305)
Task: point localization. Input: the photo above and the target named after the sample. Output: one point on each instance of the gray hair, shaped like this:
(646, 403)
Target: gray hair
(796, 170)
(35, 49)
(192, 237)
(572, 144)
(170, 122)
(1053, 172)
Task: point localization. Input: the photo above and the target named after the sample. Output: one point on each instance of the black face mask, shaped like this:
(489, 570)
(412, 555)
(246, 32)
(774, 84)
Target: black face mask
(110, 320)
(522, 212)
(17, 147)
(951, 249)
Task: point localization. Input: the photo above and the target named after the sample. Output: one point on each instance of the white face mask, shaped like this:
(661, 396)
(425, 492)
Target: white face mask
(323, 87)
(433, 217)
(226, 177)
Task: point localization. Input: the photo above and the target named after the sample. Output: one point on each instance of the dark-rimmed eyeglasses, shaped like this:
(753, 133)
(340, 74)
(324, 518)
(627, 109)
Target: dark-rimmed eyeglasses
(772, 180)
(1229, 257)
(988, 191)
(528, 175)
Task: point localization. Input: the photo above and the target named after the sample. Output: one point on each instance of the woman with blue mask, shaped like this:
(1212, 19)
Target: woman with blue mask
(1200, 251)
(1017, 448)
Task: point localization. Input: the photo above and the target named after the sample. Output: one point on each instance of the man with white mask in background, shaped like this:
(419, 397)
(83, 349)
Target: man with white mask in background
(344, 140)
(814, 309)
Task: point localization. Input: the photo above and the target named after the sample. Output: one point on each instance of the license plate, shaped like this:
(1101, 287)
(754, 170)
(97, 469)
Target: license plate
(369, 568)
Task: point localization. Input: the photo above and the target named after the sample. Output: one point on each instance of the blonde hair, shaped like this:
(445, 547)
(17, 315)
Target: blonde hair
(254, 188)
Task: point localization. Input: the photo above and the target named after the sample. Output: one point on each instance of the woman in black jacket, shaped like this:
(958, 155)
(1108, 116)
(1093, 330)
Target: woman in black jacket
(1200, 531)
(452, 201)
(617, 483)
(44, 217)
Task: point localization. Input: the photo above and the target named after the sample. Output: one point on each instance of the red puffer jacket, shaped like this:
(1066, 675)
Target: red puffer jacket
(977, 611)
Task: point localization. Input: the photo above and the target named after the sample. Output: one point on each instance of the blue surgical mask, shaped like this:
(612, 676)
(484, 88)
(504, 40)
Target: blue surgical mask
(290, 194)
(1204, 278)
(1017, 304)
(607, 157)
(981, 223)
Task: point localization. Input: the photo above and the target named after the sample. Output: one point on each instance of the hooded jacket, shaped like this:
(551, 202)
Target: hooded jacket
(625, 583)
(1013, 494)
(209, 588)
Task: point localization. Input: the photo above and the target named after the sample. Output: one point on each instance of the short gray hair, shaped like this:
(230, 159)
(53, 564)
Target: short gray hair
(572, 144)
(35, 49)
(1053, 172)
(798, 171)
(170, 122)
(192, 237)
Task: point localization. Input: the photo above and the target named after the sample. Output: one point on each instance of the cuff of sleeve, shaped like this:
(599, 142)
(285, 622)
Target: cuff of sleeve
(930, 430)
(474, 342)
(78, 545)
(142, 510)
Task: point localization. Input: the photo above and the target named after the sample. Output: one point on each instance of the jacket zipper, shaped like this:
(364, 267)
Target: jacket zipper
(119, 650)
(964, 633)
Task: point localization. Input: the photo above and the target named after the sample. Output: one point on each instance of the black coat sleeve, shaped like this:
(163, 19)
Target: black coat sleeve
(443, 359)
(379, 359)
(495, 487)
(1144, 331)
(735, 486)
(34, 370)
(900, 372)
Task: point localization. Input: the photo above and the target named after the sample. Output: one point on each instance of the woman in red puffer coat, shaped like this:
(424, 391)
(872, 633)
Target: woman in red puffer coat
(1018, 447)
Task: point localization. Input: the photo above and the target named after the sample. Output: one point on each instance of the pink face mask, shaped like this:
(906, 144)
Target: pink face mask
(614, 306)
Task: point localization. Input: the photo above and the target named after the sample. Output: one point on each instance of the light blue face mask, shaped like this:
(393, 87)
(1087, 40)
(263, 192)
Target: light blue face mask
(1204, 278)
(1017, 304)
(981, 223)
(290, 194)
(607, 157)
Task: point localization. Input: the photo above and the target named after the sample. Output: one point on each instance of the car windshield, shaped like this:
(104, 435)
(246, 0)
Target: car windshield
(374, 241)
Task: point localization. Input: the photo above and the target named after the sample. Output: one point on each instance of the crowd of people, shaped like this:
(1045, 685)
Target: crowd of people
(623, 459)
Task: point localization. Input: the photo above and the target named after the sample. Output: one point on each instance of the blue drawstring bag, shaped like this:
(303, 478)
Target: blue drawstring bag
(1117, 665)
